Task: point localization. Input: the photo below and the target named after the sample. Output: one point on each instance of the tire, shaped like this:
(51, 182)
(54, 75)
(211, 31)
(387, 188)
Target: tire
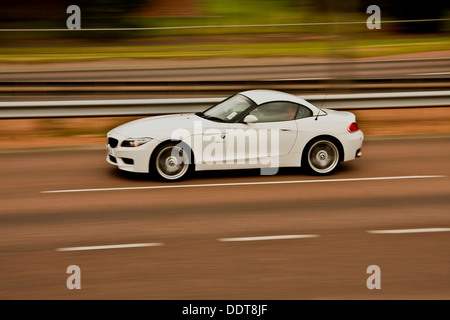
(172, 162)
(322, 157)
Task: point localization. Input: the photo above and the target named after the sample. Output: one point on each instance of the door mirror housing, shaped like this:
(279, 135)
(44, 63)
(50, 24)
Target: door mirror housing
(250, 119)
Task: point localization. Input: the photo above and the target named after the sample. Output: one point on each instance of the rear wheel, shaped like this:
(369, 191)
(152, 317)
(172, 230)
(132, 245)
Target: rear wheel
(172, 162)
(321, 157)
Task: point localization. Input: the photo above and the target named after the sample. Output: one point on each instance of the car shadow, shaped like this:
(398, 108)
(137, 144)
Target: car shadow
(225, 174)
(125, 175)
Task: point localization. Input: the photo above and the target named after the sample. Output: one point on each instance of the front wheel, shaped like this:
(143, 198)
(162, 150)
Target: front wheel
(172, 162)
(321, 157)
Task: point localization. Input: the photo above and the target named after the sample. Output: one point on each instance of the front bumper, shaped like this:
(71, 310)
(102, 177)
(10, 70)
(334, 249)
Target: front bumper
(135, 159)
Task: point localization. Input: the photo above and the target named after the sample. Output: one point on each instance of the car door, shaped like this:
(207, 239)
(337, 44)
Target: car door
(273, 135)
(217, 137)
(213, 140)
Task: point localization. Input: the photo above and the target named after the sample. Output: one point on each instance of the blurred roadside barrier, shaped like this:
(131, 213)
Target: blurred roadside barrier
(297, 86)
(135, 107)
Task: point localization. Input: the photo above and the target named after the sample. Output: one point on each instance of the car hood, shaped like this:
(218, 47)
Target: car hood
(160, 127)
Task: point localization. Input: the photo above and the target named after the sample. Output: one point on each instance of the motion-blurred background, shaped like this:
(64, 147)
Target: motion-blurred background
(62, 90)
(214, 48)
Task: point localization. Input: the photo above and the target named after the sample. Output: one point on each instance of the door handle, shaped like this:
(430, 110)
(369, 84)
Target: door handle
(285, 129)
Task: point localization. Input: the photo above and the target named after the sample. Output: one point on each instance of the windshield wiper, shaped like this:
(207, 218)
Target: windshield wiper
(212, 118)
(215, 119)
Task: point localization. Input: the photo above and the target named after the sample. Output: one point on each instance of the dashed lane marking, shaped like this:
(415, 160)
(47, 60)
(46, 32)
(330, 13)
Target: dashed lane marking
(114, 246)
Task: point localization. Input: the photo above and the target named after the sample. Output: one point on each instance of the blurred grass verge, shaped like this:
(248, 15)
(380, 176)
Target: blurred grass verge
(28, 133)
(343, 49)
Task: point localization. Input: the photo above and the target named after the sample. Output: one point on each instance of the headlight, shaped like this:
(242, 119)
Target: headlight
(132, 143)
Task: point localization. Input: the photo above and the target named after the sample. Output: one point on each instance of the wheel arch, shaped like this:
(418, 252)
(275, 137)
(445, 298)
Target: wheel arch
(166, 142)
(321, 137)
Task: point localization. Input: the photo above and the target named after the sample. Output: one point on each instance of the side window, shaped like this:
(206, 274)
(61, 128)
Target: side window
(303, 112)
(275, 111)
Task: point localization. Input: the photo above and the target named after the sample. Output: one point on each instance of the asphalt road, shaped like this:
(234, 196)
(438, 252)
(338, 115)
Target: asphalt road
(180, 239)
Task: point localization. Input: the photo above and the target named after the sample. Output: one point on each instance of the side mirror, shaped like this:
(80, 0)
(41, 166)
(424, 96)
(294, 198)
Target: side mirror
(250, 119)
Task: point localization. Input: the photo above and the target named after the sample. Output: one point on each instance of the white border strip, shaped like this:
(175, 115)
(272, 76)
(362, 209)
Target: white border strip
(281, 237)
(114, 246)
(242, 184)
(409, 230)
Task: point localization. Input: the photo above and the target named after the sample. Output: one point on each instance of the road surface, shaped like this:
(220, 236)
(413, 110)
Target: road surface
(228, 235)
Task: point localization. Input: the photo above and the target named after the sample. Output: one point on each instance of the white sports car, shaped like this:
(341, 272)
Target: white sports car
(262, 129)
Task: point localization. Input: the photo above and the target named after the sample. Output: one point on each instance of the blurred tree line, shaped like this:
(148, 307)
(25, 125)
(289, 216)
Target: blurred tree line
(411, 10)
(52, 13)
(390, 10)
(118, 13)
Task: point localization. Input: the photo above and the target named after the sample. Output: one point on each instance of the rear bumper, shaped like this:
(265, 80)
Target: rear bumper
(358, 153)
(352, 144)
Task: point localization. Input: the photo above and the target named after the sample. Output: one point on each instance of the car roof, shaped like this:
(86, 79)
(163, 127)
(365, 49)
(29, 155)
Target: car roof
(260, 96)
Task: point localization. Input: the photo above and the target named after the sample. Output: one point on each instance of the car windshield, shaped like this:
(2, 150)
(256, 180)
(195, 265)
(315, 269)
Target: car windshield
(228, 110)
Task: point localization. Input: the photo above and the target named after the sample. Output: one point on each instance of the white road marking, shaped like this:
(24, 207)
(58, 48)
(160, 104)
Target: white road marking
(242, 184)
(429, 73)
(302, 79)
(409, 230)
(242, 239)
(114, 246)
(281, 237)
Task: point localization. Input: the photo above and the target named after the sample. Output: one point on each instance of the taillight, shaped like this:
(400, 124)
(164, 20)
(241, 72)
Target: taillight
(353, 127)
